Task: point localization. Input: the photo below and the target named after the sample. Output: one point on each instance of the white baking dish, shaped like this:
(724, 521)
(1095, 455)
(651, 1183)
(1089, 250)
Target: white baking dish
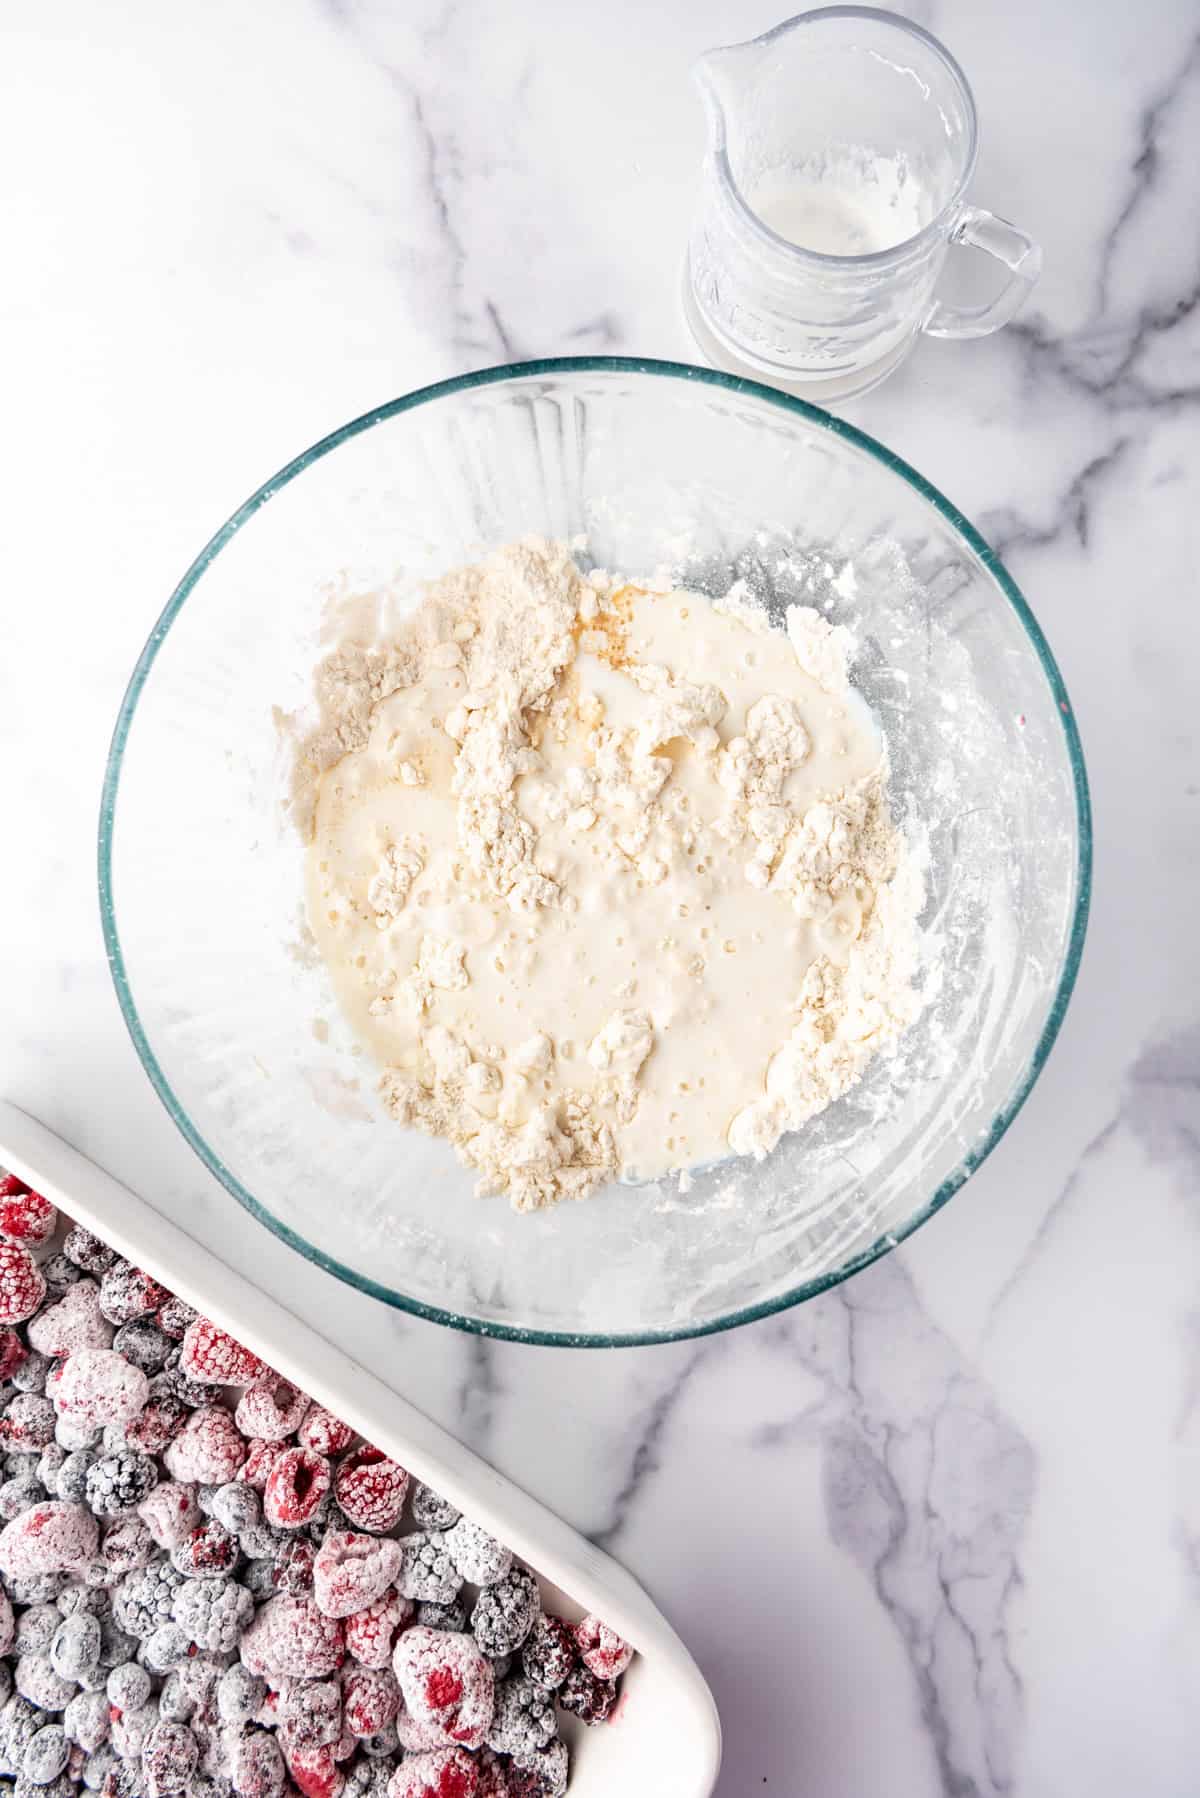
(665, 1739)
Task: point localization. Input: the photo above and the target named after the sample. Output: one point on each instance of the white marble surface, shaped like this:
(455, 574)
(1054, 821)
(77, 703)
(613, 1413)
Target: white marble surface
(940, 1531)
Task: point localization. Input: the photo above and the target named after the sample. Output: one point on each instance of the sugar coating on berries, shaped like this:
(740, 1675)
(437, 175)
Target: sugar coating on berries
(291, 1639)
(351, 1571)
(447, 1682)
(586, 1697)
(477, 1556)
(371, 1632)
(371, 1489)
(549, 1652)
(601, 1649)
(27, 1217)
(505, 1613)
(298, 1481)
(127, 1292)
(208, 1448)
(370, 1699)
(212, 1357)
(22, 1287)
(49, 1538)
(321, 1430)
(271, 1409)
(95, 1387)
(441, 1773)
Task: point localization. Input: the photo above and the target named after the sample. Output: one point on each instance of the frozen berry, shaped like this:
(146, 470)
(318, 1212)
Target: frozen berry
(371, 1632)
(426, 1570)
(125, 1545)
(71, 1482)
(601, 1649)
(549, 1652)
(293, 1563)
(310, 1714)
(86, 1720)
(127, 1292)
(523, 1720)
(314, 1772)
(129, 1730)
(213, 1357)
(75, 1647)
(237, 1505)
(22, 1287)
(297, 1483)
(587, 1697)
(479, 1558)
(208, 1551)
(36, 1680)
(208, 1448)
(493, 1775)
(170, 1513)
(505, 1613)
(27, 1217)
(213, 1611)
(12, 1353)
(543, 1774)
(117, 1483)
(271, 1409)
(291, 1639)
(11, 1185)
(158, 1423)
(370, 1699)
(431, 1510)
(143, 1343)
(443, 1616)
(441, 1773)
(371, 1489)
(17, 1495)
(59, 1273)
(322, 1431)
(36, 1629)
(46, 1755)
(48, 1538)
(351, 1571)
(446, 1681)
(143, 1600)
(255, 1764)
(95, 1387)
(256, 1469)
(50, 1464)
(169, 1758)
(166, 1649)
(172, 1379)
(27, 1423)
(33, 1372)
(174, 1318)
(87, 1251)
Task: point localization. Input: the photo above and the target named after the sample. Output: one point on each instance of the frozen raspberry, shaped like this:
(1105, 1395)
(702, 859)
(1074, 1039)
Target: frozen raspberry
(157, 1424)
(587, 1697)
(549, 1652)
(477, 1556)
(295, 1487)
(27, 1217)
(87, 1251)
(445, 1680)
(125, 1546)
(117, 1483)
(143, 1343)
(414, 1735)
(451, 1616)
(207, 1552)
(127, 1292)
(212, 1357)
(169, 1758)
(430, 1510)
(96, 1387)
(75, 1647)
(208, 1448)
(371, 1632)
(86, 1720)
(371, 1489)
(174, 1318)
(310, 1714)
(540, 1775)
(74, 1323)
(12, 1353)
(214, 1612)
(291, 1639)
(142, 1601)
(352, 1571)
(170, 1513)
(505, 1613)
(293, 1566)
(22, 1287)
(48, 1538)
(322, 1431)
(426, 1570)
(523, 1720)
(11, 1185)
(255, 1764)
(315, 1772)
(601, 1649)
(271, 1409)
(370, 1700)
(256, 1470)
(27, 1423)
(442, 1773)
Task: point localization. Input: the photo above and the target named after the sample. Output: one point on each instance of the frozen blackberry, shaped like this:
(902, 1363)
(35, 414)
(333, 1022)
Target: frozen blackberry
(36, 1629)
(86, 1720)
(540, 1775)
(523, 1720)
(18, 1495)
(452, 1616)
(46, 1755)
(208, 1551)
(505, 1613)
(175, 1381)
(87, 1251)
(128, 1687)
(368, 1779)
(75, 1646)
(127, 1292)
(240, 1694)
(118, 1483)
(478, 1557)
(549, 1652)
(59, 1272)
(586, 1697)
(294, 1565)
(143, 1600)
(166, 1648)
(213, 1611)
(71, 1485)
(431, 1510)
(426, 1572)
(32, 1373)
(156, 1425)
(169, 1758)
(143, 1343)
(237, 1506)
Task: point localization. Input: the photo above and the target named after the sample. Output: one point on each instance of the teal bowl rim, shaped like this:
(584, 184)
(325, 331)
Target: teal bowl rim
(680, 371)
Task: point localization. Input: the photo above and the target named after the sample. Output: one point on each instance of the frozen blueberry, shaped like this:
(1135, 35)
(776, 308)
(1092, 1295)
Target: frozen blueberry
(75, 1647)
(237, 1506)
(49, 1466)
(143, 1343)
(31, 1375)
(87, 1251)
(59, 1272)
(166, 1648)
(36, 1629)
(71, 1485)
(240, 1694)
(431, 1510)
(18, 1495)
(46, 1755)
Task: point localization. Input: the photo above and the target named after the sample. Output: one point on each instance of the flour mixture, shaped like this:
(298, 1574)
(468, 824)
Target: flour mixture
(604, 874)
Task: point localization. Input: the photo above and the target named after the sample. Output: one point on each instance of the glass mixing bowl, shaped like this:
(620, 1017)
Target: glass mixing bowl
(652, 464)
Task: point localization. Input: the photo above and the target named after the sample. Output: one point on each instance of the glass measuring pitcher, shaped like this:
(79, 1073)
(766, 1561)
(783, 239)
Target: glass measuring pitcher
(841, 147)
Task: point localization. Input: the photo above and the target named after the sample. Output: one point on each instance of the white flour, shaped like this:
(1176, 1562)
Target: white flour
(604, 875)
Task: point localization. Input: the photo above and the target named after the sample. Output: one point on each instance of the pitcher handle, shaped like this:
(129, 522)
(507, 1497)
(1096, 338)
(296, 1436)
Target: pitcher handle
(1019, 253)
